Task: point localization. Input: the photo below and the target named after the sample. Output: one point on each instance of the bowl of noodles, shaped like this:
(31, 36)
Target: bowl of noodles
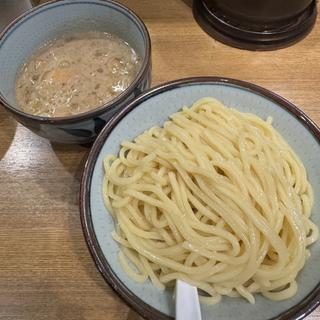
(212, 181)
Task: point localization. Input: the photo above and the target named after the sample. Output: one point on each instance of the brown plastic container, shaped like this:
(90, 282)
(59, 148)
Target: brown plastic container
(256, 24)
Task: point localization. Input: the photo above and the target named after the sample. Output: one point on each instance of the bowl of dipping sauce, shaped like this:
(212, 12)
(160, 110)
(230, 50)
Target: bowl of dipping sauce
(66, 67)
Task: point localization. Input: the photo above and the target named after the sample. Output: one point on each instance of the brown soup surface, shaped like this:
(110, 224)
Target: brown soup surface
(75, 74)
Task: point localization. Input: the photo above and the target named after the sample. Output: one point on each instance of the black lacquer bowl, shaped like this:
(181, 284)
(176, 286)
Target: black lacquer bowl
(256, 24)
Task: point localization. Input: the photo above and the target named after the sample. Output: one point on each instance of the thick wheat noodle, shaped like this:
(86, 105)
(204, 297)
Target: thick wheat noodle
(216, 198)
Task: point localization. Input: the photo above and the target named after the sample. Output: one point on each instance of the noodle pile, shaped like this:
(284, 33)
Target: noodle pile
(215, 198)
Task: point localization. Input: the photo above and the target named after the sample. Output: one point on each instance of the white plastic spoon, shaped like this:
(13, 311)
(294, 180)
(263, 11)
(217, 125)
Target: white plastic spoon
(187, 302)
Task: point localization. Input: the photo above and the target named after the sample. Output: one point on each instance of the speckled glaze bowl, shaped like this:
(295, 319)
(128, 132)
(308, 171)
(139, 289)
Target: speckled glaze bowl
(51, 20)
(153, 108)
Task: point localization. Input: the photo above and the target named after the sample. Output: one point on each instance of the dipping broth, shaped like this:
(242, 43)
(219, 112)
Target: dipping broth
(75, 74)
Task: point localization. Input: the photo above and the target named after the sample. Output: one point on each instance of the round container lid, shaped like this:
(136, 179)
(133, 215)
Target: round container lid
(219, 26)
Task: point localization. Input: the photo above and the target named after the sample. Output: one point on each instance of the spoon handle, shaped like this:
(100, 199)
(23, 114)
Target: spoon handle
(187, 302)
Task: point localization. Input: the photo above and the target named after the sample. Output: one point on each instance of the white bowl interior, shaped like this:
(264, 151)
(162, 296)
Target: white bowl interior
(54, 20)
(155, 111)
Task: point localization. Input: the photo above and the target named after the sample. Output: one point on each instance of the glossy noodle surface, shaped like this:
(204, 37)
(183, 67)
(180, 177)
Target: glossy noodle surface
(216, 198)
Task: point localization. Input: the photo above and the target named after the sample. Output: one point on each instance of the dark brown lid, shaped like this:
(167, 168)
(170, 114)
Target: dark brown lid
(237, 31)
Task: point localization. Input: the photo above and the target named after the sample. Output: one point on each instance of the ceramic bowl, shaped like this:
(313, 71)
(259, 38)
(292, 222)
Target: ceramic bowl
(153, 108)
(50, 21)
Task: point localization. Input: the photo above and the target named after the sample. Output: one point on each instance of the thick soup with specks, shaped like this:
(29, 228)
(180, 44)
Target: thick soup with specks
(75, 74)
